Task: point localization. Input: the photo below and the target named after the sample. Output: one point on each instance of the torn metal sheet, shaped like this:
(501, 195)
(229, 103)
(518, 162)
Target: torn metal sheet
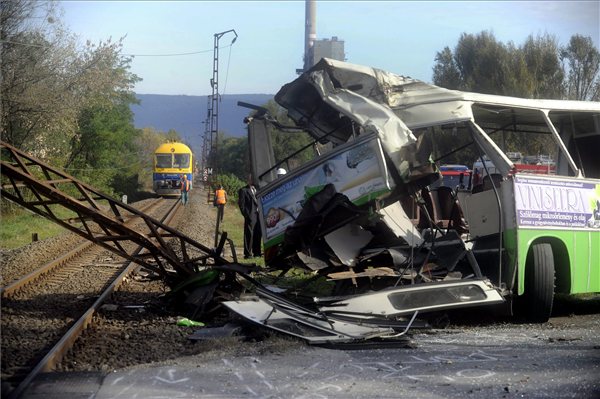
(371, 272)
(397, 220)
(311, 326)
(310, 261)
(347, 242)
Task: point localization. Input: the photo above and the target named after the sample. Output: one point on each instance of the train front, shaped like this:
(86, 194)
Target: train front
(171, 162)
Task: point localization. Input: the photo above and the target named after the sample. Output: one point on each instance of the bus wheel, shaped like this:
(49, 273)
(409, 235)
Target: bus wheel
(539, 283)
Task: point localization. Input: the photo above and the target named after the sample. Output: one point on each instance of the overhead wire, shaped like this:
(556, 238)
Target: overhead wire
(24, 44)
(125, 54)
(227, 70)
(176, 54)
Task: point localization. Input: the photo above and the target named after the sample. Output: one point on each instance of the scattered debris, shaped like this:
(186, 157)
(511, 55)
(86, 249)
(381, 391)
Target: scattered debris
(185, 322)
(228, 330)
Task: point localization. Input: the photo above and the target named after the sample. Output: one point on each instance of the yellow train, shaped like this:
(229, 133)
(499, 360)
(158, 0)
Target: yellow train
(171, 161)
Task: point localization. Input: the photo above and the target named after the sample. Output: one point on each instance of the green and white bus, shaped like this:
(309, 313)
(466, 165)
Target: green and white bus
(529, 226)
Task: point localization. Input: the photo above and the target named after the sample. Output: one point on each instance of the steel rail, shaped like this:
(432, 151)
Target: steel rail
(10, 289)
(65, 344)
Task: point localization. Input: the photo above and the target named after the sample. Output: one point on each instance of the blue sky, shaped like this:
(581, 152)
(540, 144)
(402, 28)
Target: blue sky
(398, 36)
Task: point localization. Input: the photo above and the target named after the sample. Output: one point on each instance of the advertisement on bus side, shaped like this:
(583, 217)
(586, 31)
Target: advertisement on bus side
(358, 172)
(557, 203)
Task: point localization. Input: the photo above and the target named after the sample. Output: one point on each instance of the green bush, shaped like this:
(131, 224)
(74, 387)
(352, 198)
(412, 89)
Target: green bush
(231, 183)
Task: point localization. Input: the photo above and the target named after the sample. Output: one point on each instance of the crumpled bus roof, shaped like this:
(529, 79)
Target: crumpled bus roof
(337, 100)
(415, 102)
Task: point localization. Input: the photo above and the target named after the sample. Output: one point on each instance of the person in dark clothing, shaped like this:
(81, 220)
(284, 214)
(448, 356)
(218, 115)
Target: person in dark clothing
(249, 207)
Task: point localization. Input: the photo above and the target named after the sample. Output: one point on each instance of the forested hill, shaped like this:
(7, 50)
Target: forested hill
(185, 114)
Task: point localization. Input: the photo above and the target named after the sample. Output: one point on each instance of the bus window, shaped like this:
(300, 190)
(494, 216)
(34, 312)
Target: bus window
(527, 142)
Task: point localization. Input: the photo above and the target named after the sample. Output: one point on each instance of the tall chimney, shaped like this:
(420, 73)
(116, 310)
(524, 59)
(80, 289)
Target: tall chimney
(310, 34)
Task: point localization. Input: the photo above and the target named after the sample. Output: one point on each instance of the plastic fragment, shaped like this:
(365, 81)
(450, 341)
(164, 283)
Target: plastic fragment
(185, 322)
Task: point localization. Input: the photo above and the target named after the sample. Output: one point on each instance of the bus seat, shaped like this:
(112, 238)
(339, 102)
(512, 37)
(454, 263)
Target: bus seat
(450, 211)
(432, 206)
(411, 208)
(477, 189)
(445, 199)
(496, 178)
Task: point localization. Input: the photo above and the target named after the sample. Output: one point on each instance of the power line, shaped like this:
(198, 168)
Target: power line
(24, 44)
(227, 71)
(127, 55)
(167, 55)
(173, 54)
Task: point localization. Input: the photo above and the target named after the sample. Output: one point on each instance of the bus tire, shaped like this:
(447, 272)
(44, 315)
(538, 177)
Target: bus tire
(539, 283)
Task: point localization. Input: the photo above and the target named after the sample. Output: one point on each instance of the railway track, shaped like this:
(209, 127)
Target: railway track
(45, 311)
(79, 250)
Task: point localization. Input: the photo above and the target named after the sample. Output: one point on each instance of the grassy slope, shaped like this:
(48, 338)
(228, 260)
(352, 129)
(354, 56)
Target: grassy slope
(17, 229)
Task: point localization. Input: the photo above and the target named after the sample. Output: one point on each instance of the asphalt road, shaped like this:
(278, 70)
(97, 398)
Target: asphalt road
(474, 357)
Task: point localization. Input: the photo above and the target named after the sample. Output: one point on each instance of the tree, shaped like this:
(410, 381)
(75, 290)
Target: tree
(104, 151)
(482, 64)
(488, 66)
(445, 70)
(29, 63)
(546, 76)
(146, 142)
(233, 156)
(582, 65)
(48, 81)
(173, 135)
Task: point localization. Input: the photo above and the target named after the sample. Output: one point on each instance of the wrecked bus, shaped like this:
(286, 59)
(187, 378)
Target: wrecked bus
(365, 208)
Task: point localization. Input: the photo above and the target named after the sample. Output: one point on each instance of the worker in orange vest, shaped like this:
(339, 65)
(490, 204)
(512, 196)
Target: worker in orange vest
(185, 188)
(220, 201)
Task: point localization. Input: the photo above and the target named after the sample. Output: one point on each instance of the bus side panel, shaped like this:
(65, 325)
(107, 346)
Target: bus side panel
(594, 266)
(580, 249)
(564, 212)
(511, 258)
